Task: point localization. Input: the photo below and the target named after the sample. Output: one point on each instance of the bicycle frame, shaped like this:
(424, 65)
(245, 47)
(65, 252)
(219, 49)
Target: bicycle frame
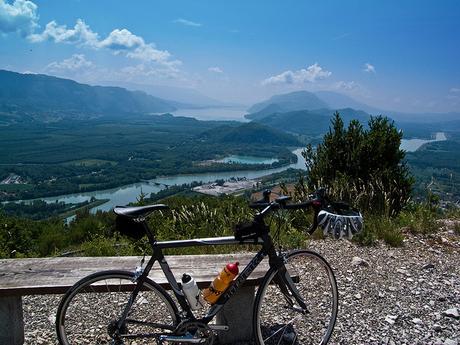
(285, 282)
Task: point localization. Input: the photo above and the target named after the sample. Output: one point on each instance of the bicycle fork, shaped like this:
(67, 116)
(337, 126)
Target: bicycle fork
(287, 286)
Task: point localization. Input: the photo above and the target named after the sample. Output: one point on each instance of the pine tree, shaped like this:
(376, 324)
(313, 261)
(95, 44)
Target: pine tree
(365, 167)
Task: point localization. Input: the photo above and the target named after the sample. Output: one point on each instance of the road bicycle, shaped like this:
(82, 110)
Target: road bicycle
(296, 302)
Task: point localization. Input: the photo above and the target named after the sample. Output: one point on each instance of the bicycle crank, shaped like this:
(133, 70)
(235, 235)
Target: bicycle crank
(191, 333)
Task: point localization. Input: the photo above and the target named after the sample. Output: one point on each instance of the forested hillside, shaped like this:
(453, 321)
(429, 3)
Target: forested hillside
(26, 97)
(77, 156)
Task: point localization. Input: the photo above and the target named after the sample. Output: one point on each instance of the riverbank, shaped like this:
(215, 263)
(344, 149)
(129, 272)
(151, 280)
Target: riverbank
(129, 193)
(387, 296)
(89, 206)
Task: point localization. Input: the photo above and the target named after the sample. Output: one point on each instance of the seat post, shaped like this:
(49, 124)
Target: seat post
(148, 231)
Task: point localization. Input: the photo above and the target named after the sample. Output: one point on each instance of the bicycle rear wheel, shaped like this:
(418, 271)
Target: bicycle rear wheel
(89, 311)
(276, 322)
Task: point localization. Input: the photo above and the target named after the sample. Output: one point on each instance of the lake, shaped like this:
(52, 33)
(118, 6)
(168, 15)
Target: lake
(126, 194)
(411, 145)
(214, 114)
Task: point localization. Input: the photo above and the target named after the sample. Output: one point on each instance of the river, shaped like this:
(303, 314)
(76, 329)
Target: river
(126, 194)
(411, 145)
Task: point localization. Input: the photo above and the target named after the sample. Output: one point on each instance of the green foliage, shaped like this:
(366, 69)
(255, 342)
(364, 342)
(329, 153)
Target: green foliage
(39, 209)
(419, 219)
(99, 245)
(249, 133)
(380, 228)
(311, 123)
(457, 228)
(416, 218)
(16, 237)
(437, 166)
(127, 150)
(46, 98)
(362, 166)
(189, 217)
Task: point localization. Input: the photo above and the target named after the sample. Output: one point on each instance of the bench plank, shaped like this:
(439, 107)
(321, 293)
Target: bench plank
(20, 277)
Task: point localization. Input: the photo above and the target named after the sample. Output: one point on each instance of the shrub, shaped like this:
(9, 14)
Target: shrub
(362, 166)
(99, 245)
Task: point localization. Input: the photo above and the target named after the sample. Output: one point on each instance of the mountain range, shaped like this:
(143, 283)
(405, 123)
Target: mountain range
(45, 98)
(311, 123)
(181, 97)
(304, 100)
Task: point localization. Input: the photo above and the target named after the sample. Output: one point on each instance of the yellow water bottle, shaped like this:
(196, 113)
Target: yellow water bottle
(221, 283)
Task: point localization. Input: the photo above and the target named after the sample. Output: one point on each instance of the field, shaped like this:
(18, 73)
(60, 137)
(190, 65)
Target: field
(90, 162)
(14, 188)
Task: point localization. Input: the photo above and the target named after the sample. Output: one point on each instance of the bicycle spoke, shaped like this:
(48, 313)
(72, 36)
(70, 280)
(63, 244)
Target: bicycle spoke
(279, 320)
(290, 322)
(90, 313)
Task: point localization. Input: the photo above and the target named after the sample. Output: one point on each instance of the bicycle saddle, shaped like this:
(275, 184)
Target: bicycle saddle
(138, 211)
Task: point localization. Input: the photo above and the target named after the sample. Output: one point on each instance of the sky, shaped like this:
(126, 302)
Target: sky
(396, 55)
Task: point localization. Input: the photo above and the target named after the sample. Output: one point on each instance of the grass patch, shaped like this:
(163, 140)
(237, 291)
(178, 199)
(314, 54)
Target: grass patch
(12, 188)
(90, 162)
(457, 228)
(419, 219)
(86, 185)
(380, 228)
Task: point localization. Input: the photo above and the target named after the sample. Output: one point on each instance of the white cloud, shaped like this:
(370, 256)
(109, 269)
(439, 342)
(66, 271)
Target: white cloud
(215, 69)
(369, 68)
(310, 75)
(74, 63)
(121, 40)
(455, 90)
(186, 22)
(145, 72)
(20, 16)
(79, 34)
(149, 53)
(346, 85)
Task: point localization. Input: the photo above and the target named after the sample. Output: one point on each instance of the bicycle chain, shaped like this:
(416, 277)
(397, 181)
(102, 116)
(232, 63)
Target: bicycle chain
(198, 329)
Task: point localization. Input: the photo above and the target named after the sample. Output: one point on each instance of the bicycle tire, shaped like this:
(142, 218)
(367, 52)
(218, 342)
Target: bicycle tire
(87, 311)
(274, 322)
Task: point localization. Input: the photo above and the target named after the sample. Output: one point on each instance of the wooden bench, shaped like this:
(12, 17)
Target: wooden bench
(21, 277)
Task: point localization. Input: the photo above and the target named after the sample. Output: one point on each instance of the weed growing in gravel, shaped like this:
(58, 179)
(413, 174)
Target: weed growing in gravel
(457, 228)
(419, 218)
(383, 228)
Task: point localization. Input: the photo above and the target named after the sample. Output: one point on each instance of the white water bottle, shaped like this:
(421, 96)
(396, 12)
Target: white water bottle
(191, 292)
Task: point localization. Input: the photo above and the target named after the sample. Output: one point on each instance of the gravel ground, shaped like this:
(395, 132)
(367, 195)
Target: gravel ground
(407, 295)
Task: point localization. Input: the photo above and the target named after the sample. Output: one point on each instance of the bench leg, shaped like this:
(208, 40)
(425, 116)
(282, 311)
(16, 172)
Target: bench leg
(11, 321)
(237, 315)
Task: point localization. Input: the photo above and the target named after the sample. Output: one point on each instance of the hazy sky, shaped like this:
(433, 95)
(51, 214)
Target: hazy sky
(402, 55)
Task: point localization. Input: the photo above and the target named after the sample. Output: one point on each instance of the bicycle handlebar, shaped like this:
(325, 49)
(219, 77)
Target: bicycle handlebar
(265, 206)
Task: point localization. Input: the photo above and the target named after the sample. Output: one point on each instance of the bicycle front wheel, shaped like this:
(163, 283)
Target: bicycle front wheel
(89, 311)
(278, 321)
